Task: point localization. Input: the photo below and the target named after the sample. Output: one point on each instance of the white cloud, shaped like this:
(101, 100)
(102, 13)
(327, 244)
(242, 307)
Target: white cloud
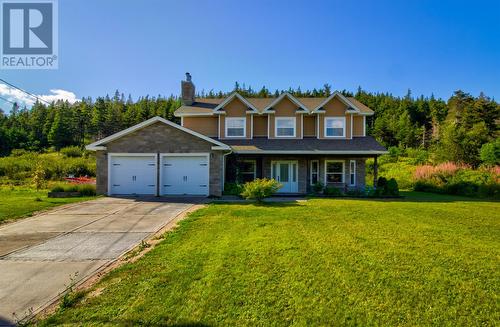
(24, 99)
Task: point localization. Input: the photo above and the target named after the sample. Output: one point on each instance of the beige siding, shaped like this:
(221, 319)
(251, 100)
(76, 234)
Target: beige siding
(204, 125)
(236, 108)
(260, 125)
(309, 125)
(335, 108)
(286, 108)
(357, 127)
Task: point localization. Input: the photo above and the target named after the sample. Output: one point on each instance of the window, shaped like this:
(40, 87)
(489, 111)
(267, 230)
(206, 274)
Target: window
(352, 172)
(314, 172)
(334, 126)
(247, 170)
(235, 127)
(334, 171)
(285, 127)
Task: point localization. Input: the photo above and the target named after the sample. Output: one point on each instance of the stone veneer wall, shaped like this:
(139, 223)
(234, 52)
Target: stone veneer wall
(160, 138)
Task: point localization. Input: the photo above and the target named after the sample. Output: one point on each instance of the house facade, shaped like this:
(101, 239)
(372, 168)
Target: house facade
(297, 141)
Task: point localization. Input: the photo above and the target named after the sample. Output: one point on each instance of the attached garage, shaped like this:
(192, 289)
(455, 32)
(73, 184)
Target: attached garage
(184, 173)
(132, 173)
(159, 157)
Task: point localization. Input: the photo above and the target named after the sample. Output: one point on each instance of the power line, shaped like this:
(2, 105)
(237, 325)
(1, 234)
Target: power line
(28, 93)
(7, 100)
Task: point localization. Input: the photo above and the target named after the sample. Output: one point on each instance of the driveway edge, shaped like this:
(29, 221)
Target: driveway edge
(87, 282)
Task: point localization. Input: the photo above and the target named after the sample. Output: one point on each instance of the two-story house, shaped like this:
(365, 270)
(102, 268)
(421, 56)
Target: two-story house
(297, 141)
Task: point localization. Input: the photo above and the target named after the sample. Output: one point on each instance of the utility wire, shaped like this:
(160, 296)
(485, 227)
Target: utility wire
(7, 100)
(20, 89)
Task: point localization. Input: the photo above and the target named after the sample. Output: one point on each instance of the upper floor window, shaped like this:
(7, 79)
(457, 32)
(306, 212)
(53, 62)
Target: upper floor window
(285, 127)
(334, 126)
(235, 127)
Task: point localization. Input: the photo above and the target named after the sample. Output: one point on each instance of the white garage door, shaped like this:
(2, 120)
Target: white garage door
(132, 174)
(184, 175)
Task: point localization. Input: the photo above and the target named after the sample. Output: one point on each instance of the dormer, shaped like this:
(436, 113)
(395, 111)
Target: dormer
(335, 117)
(235, 116)
(285, 117)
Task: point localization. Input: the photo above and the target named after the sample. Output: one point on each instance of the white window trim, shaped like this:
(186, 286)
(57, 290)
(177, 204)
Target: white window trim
(244, 127)
(352, 172)
(311, 171)
(325, 126)
(364, 125)
(276, 119)
(343, 171)
(254, 166)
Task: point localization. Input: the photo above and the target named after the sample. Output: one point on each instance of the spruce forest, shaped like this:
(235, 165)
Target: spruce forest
(451, 130)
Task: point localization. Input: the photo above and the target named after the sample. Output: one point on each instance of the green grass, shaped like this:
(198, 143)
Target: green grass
(425, 260)
(19, 202)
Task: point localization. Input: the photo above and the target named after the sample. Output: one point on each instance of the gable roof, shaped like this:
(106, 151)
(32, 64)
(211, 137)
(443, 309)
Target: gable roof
(341, 97)
(269, 107)
(99, 145)
(231, 98)
(206, 106)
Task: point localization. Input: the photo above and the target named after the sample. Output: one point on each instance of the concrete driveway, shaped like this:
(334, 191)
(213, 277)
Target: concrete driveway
(40, 256)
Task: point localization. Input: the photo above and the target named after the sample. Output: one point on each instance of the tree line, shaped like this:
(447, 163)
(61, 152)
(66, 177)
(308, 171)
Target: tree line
(453, 130)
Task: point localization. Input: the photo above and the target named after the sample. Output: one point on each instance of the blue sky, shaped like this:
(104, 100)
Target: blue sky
(145, 47)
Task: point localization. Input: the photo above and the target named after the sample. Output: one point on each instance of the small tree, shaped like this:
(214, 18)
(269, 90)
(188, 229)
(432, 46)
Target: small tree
(490, 153)
(39, 177)
(260, 189)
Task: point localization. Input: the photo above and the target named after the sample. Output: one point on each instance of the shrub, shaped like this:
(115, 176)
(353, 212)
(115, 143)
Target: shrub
(39, 177)
(332, 191)
(86, 189)
(71, 188)
(317, 187)
(72, 152)
(451, 178)
(392, 188)
(490, 153)
(233, 189)
(260, 189)
(57, 188)
(386, 187)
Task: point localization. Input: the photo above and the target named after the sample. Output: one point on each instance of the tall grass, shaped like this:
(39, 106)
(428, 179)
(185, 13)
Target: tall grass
(21, 166)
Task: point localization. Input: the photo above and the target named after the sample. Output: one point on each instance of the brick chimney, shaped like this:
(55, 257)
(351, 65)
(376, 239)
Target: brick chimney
(187, 91)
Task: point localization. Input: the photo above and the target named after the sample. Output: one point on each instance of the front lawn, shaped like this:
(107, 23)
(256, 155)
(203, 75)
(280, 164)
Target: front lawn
(425, 260)
(18, 202)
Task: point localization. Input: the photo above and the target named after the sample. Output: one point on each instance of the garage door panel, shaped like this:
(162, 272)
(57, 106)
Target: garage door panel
(133, 175)
(184, 175)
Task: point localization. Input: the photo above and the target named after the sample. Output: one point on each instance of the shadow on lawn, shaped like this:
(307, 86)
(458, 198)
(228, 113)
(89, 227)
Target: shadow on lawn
(407, 196)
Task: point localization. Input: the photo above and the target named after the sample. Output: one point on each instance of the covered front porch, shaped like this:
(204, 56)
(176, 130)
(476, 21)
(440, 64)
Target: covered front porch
(298, 173)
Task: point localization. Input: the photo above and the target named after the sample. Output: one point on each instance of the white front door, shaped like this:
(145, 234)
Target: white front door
(286, 173)
(132, 174)
(184, 174)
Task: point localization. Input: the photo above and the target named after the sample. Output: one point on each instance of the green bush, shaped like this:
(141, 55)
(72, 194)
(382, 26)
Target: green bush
(57, 188)
(55, 166)
(86, 190)
(386, 187)
(490, 153)
(462, 181)
(83, 189)
(317, 187)
(72, 152)
(332, 191)
(392, 188)
(233, 189)
(260, 189)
